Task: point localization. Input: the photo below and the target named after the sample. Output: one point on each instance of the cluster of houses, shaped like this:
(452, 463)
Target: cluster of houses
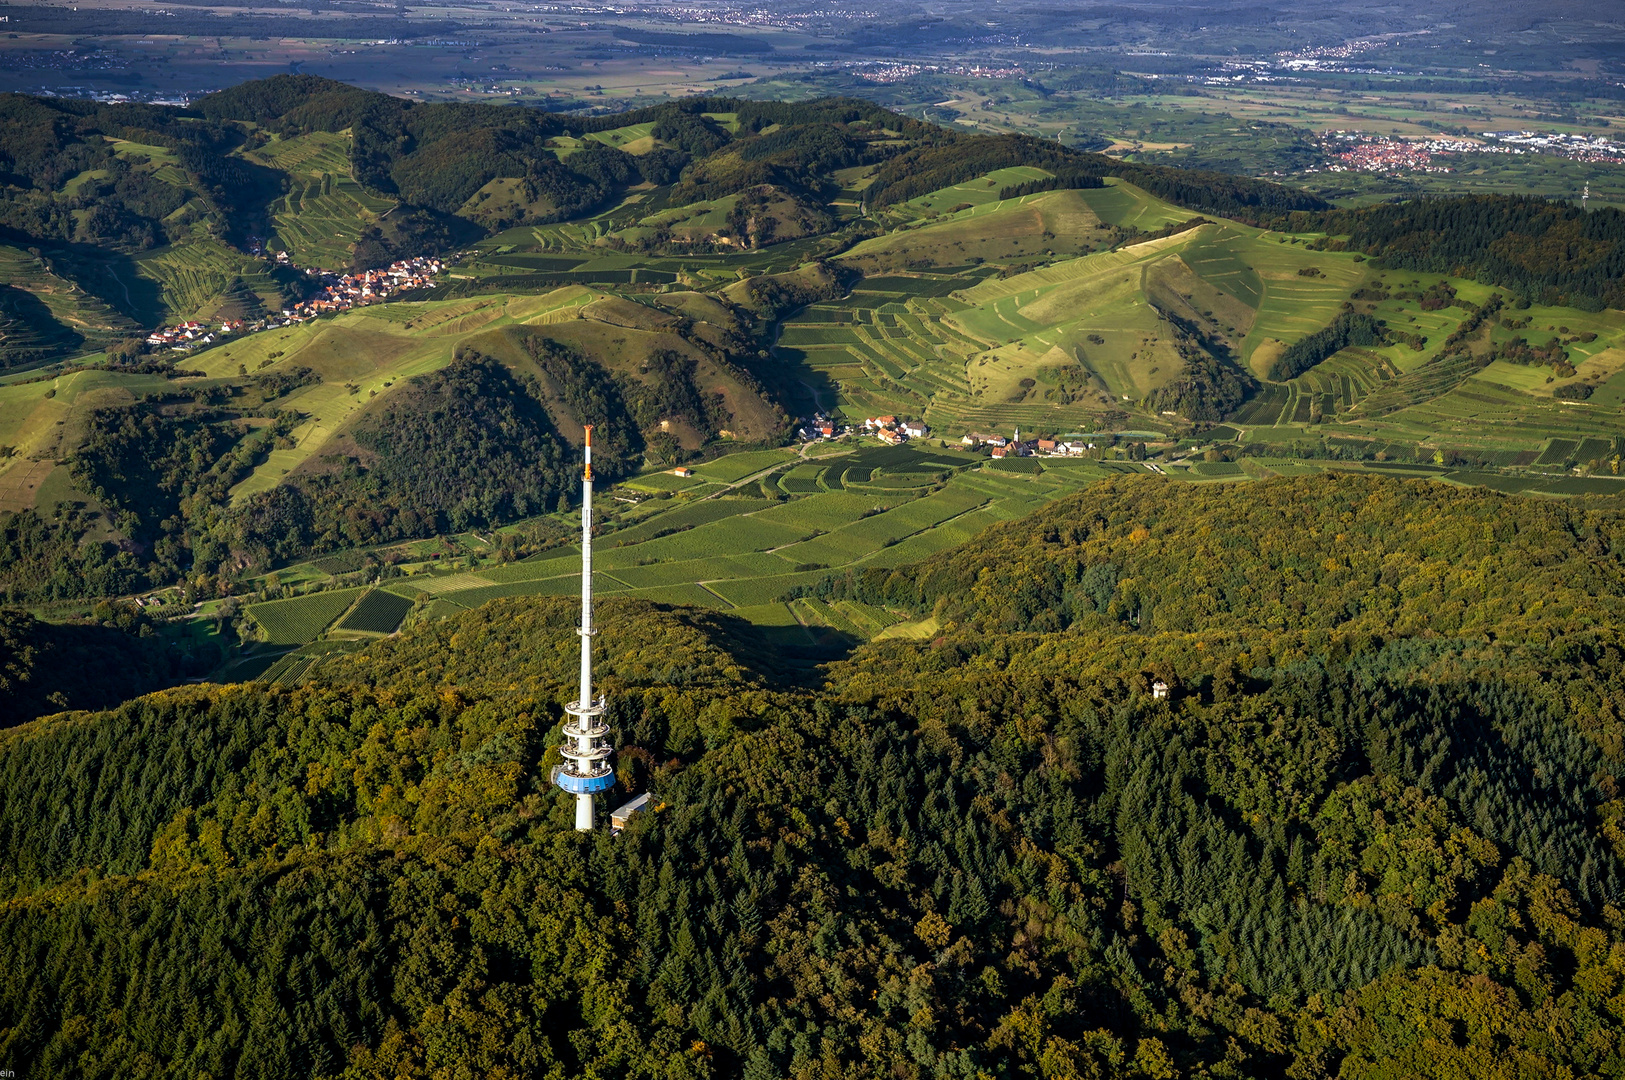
(1000, 447)
(1354, 151)
(885, 428)
(892, 430)
(889, 429)
(821, 426)
(191, 334)
(339, 292)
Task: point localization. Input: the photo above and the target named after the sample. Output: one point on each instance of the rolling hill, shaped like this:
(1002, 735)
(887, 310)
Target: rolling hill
(1185, 320)
(291, 441)
(337, 176)
(699, 273)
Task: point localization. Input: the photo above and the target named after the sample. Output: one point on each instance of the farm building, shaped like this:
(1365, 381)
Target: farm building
(623, 813)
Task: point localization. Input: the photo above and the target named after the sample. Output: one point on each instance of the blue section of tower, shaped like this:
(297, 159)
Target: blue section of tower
(584, 785)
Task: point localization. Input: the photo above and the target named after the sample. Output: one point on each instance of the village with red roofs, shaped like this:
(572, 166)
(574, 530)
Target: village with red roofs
(338, 292)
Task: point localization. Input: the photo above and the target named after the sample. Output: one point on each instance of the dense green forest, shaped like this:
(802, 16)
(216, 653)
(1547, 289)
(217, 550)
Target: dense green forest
(48, 667)
(954, 158)
(1374, 830)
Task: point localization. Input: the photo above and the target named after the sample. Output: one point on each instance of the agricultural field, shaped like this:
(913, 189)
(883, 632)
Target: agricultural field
(656, 482)
(875, 506)
(735, 467)
(192, 276)
(378, 612)
(301, 619)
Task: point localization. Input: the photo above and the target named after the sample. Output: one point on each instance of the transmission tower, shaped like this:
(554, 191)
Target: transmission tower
(585, 770)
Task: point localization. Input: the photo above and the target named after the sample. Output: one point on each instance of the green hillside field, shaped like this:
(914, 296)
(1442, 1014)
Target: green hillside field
(1032, 288)
(1071, 347)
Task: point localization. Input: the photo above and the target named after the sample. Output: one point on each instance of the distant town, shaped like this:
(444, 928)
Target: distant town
(1356, 151)
(894, 71)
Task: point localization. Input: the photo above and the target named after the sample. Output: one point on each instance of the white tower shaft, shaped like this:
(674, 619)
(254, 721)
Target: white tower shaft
(584, 799)
(585, 770)
(586, 578)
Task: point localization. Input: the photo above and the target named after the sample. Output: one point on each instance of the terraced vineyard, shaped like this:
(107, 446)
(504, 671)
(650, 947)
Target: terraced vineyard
(43, 314)
(1052, 348)
(324, 211)
(887, 346)
(192, 275)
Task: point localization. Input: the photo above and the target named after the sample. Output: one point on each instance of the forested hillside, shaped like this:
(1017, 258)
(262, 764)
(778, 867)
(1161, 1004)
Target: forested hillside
(151, 212)
(1361, 558)
(1550, 252)
(1374, 829)
(47, 668)
(468, 446)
